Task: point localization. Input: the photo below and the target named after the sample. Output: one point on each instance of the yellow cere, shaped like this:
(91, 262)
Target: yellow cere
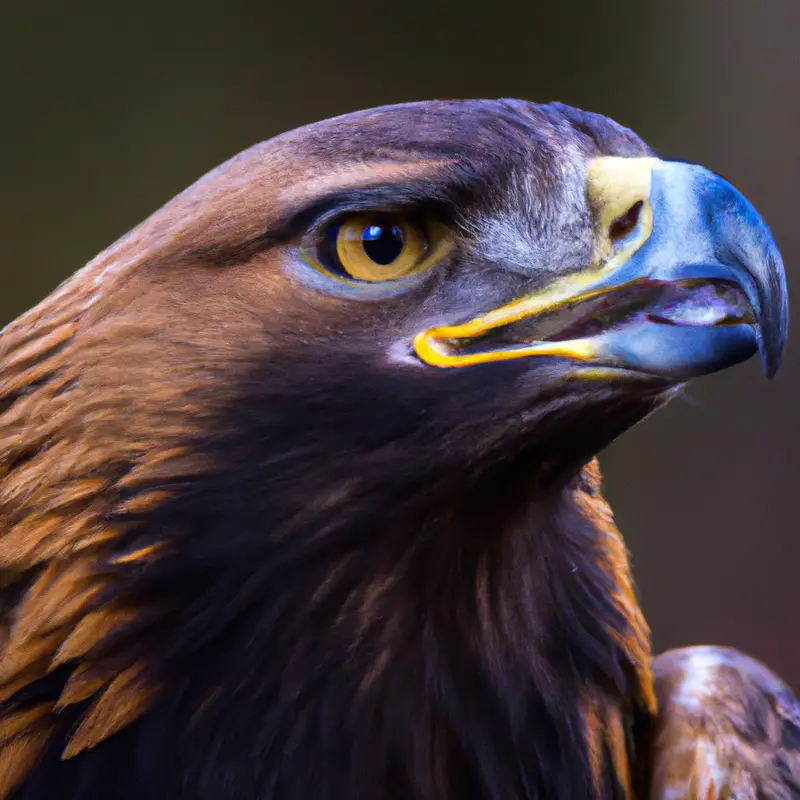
(614, 186)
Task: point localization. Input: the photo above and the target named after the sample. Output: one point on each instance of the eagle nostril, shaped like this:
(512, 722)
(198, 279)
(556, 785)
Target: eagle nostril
(625, 223)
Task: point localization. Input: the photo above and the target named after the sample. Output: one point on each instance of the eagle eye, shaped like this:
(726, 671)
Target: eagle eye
(374, 247)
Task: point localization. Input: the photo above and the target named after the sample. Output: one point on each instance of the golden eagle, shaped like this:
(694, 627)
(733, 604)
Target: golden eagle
(298, 489)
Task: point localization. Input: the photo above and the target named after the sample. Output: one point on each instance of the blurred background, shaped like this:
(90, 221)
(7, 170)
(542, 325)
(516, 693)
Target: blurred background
(109, 111)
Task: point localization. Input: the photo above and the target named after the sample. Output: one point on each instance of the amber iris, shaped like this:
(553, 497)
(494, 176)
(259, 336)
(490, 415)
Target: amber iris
(374, 247)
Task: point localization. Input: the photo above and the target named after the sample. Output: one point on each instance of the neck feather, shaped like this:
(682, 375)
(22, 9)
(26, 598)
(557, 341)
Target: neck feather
(461, 651)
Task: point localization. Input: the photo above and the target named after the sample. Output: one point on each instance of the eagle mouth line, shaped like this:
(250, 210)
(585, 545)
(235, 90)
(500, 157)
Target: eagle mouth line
(689, 303)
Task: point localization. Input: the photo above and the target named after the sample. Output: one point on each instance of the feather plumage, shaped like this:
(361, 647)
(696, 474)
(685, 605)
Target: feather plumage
(247, 551)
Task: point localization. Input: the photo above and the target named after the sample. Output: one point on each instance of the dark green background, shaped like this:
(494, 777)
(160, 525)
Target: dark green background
(109, 109)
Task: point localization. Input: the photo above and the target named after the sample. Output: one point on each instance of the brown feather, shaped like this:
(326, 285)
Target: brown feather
(90, 631)
(727, 728)
(83, 683)
(23, 678)
(18, 756)
(124, 699)
(22, 721)
(613, 560)
(53, 600)
(38, 651)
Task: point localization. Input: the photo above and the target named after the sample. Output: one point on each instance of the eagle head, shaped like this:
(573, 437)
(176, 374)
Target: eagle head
(298, 496)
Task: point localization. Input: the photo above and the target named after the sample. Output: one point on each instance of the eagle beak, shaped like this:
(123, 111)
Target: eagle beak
(687, 280)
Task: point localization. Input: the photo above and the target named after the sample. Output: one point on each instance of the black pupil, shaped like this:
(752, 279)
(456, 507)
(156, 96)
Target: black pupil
(382, 242)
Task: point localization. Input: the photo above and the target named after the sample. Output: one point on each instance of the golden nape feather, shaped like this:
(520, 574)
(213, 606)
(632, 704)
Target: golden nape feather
(298, 489)
(59, 486)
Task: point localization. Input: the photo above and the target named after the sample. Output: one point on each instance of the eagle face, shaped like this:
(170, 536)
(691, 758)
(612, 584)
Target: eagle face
(296, 483)
(486, 273)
